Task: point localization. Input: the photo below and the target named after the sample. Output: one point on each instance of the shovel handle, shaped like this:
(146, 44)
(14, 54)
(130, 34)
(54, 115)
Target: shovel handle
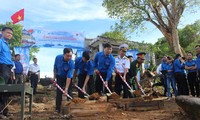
(81, 89)
(125, 82)
(104, 83)
(142, 90)
(54, 82)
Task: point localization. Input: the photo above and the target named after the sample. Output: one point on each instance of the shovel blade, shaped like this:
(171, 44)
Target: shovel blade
(113, 96)
(137, 92)
(108, 94)
(148, 97)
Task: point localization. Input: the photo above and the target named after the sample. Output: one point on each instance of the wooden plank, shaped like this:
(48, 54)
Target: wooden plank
(89, 109)
(126, 100)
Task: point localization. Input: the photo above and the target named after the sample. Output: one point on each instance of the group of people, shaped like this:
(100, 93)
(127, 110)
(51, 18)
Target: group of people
(66, 71)
(177, 73)
(11, 70)
(18, 76)
(183, 74)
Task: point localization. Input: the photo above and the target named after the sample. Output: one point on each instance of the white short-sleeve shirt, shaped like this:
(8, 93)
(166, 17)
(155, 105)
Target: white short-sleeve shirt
(122, 63)
(34, 68)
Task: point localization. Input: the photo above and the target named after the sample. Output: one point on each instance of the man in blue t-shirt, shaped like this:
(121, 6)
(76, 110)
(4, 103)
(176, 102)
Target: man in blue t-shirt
(5, 63)
(104, 63)
(190, 66)
(84, 69)
(182, 84)
(164, 72)
(63, 72)
(18, 70)
(198, 62)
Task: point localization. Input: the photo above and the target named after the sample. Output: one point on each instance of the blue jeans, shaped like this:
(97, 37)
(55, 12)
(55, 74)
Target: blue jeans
(171, 79)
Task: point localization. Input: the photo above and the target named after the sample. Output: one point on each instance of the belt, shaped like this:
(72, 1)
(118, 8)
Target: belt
(34, 74)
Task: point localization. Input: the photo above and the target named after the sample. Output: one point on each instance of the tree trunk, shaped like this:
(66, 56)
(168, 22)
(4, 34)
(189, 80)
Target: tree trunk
(176, 44)
(173, 39)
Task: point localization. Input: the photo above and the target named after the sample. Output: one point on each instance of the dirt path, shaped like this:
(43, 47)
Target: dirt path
(44, 108)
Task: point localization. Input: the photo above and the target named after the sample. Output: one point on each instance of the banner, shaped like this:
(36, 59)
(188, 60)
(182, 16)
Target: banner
(132, 53)
(79, 53)
(24, 57)
(52, 38)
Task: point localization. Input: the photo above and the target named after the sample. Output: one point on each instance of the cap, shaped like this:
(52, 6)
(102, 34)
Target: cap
(141, 55)
(123, 47)
(129, 56)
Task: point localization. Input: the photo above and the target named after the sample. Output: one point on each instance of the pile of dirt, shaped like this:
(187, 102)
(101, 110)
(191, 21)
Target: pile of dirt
(85, 109)
(94, 96)
(79, 100)
(113, 96)
(137, 92)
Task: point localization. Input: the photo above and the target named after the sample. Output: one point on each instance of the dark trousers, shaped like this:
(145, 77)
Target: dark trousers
(18, 78)
(61, 82)
(90, 84)
(34, 82)
(5, 74)
(99, 84)
(119, 83)
(181, 83)
(194, 85)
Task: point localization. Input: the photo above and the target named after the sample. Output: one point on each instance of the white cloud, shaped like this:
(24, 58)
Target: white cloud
(58, 10)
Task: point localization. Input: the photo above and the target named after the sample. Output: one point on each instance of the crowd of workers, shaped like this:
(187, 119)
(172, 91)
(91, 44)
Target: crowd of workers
(177, 73)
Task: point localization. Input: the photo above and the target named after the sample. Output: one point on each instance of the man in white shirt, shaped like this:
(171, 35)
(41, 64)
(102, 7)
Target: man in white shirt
(122, 64)
(34, 72)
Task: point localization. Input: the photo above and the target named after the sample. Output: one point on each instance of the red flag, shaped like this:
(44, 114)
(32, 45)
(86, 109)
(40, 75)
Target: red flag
(18, 16)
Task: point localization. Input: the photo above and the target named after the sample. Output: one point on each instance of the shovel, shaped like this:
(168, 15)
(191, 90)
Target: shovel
(87, 95)
(112, 95)
(54, 82)
(136, 92)
(142, 91)
(146, 97)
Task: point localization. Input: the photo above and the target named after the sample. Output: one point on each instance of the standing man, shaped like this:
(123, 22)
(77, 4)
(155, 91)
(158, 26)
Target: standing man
(63, 72)
(191, 67)
(164, 74)
(104, 64)
(5, 63)
(34, 71)
(179, 76)
(130, 57)
(136, 66)
(18, 70)
(198, 63)
(122, 65)
(85, 69)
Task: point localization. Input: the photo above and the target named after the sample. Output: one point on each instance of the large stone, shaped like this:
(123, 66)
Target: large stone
(190, 105)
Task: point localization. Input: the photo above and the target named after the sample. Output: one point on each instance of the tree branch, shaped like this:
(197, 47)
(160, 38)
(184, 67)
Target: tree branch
(166, 8)
(158, 16)
(180, 9)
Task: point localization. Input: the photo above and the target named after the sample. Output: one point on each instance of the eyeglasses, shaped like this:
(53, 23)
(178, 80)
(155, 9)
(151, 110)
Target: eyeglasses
(123, 51)
(142, 59)
(69, 55)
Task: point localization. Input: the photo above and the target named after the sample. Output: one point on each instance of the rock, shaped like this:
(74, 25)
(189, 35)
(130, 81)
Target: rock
(190, 105)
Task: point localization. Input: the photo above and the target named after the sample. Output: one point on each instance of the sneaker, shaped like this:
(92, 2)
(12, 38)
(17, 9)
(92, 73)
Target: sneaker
(56, 112)
(169, 98)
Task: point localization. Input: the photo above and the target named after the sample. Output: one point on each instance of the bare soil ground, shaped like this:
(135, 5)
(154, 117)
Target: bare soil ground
(44, 106)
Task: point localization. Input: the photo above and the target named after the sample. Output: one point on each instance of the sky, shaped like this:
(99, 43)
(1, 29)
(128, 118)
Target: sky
(87, 16)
